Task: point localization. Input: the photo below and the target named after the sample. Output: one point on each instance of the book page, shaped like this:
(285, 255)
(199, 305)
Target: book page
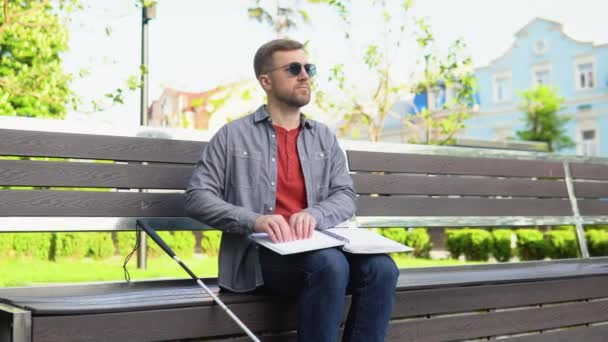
(317, 241)
(363, 241)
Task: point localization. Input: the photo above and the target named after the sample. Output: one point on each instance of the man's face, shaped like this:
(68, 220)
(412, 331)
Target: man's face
(293, 90)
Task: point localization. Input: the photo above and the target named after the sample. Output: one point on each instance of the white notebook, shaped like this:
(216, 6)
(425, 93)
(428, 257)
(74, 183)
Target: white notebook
(352, 240)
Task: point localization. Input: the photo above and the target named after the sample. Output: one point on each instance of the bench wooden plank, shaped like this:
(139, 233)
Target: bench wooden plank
(84, 203)
(494, 323)
(450, 185)
(422, 206)
(594, 333)
(88, 146)
(593, 207)
(591, 189)
(589, 171)
(435, 164)
(94, 175)
(472, 298)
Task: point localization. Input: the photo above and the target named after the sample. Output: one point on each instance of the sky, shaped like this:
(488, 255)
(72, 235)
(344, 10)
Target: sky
(196, 45)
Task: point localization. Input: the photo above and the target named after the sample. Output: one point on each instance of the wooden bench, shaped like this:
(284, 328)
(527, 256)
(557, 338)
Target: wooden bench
(406, 186)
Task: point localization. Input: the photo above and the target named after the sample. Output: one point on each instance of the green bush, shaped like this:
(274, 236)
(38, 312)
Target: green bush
(210, 242)
(74, 245)
(454, 241)
(126, 242)
(531, 244)
(6, 244)
(562, 244)
(502, 250)
(597, 241)
(419, 240)
(153, 249)
(183, 243)
(396, 234)
(100, 245)
(477, 244)
(35, 245)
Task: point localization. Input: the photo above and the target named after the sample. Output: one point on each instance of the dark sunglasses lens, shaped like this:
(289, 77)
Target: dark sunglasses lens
(311, 69)
(295, 69)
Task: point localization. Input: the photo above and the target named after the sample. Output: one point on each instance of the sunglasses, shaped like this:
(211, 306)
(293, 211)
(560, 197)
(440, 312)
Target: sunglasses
(295, 69)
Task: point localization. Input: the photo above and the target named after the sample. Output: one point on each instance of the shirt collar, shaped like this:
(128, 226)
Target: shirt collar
(261, 114)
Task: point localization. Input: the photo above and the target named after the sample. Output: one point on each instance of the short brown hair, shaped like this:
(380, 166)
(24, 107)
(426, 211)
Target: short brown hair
(263, 57)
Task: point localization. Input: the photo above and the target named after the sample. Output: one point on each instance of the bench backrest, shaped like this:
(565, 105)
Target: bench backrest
(90, 182)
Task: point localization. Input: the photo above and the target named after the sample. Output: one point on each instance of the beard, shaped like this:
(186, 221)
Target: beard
(297, 98)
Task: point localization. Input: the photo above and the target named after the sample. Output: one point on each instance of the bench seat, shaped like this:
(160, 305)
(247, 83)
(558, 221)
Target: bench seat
(432, 304)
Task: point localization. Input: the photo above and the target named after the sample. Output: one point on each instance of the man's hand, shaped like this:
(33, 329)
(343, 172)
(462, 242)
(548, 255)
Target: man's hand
(275, 226)
(302, 225)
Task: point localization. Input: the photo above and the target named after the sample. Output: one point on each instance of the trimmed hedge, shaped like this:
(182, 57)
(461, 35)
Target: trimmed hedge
(210, 243)
(475, 244)
(597, 241)
(420, 241)
(34, 245)
(6, 244)
(561, 244)
(502, 250)
(531, 244)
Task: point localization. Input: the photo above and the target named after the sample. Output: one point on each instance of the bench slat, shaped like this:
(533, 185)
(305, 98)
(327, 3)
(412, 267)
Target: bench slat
(499, 323)
(449, 185)
(596, 333)
(88, 146)
(589, 171)
(593, 207)
(434, 164)
(423, 206)
(67, 174)
(84, 203)
(593, 189)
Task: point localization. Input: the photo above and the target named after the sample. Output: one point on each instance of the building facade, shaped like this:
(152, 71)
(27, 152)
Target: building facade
(543, 54)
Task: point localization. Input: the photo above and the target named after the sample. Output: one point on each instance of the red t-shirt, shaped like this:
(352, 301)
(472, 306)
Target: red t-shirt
(291, 190)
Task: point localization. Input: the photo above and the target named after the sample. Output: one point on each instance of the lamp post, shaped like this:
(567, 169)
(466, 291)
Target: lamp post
(148, 12)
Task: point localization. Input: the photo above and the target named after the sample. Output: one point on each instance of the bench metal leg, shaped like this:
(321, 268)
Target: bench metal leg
(580, 232)
(15, 324)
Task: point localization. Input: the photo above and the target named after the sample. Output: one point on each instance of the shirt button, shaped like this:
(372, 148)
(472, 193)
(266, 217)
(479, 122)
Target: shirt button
(321, 154)
(272, 159)
(269, 208)
(244, 153)
(272, 135)
(272, 183)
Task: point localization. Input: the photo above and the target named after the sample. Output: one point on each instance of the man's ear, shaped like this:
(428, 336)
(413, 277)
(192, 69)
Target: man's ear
(265, 82)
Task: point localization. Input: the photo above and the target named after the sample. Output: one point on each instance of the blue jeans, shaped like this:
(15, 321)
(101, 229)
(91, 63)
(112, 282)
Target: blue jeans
(320, 279)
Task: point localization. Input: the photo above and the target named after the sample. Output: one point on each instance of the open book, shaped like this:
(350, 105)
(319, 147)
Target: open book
(351, 240)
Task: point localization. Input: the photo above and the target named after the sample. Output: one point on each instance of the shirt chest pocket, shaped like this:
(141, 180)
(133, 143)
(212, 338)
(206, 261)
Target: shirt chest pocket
(321, 168)
(245, 169)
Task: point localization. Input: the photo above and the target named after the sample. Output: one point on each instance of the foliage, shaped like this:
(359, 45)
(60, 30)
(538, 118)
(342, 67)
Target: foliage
(210, 242)
(125, 242)
(531, 244)
(541, 105)
(454, 242)
(502, 250)
(561, 244)
(74, 245)
(6, 244)
(419, 240)
(597, 241)
(183, 243)
(101, 245)
(34, 245)
(32, 79)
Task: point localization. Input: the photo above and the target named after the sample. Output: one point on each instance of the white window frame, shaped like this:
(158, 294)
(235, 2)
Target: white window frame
(584, 60)
(589, 124)
(495, 77)
(542, 67)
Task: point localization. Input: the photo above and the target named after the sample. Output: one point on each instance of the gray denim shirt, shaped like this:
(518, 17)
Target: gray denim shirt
(235, 180)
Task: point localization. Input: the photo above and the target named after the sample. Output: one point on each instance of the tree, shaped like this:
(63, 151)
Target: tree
(541, 106)
(381, 57)
(32, 79)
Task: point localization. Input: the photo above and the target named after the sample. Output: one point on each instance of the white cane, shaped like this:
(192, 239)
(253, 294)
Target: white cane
(161, 243)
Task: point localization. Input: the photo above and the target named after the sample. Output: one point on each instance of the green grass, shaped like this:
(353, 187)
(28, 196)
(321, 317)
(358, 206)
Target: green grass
(24, 272)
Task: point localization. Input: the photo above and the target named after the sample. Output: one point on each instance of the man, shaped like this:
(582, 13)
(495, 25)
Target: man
(275, 171)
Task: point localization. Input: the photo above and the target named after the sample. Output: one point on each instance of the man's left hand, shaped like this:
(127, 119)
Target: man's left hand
(302, 225)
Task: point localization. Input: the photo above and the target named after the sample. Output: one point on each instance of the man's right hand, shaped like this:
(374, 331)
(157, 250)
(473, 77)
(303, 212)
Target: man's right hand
(275, 226)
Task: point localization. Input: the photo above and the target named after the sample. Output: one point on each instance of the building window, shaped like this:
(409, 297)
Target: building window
(502, 87)
(588, 146)
(542, 77)
(585, 73)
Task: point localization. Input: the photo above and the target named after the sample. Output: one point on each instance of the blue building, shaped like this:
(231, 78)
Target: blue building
(543, 54)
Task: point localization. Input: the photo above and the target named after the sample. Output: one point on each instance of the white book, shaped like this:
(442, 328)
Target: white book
(351, 240)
